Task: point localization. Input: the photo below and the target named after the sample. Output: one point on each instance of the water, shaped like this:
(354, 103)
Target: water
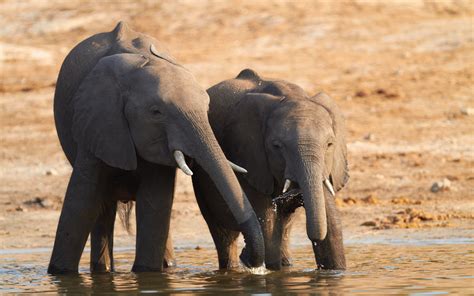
(432, 269)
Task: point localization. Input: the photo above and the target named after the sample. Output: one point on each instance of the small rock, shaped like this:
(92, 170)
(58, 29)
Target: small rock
(197, 248)
(371, 199)
(426, 217)
(350, 201)
(39, 202)
(467, 111)
(46, 203)
(361, 94)
(20, 209)
(51, 172)
(369, 223)
(443, 185)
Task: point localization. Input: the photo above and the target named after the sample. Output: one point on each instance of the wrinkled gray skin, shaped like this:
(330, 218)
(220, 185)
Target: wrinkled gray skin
(277, 132)
(122, 107)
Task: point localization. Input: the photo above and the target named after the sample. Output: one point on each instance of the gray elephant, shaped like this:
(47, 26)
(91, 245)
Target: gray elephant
(127, 114)
(288, 141)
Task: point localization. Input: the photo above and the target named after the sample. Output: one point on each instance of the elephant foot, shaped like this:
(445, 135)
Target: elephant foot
(139, 268)
(273, 265)
(285, 262)
(232, 265)
(53, 269)
(169, 262)
(100, 268)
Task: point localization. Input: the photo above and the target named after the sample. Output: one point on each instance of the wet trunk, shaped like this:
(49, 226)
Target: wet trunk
(329, 252)
(311, 182)
(322, 219)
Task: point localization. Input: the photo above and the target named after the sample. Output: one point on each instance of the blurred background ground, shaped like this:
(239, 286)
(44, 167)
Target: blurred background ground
(402, 72)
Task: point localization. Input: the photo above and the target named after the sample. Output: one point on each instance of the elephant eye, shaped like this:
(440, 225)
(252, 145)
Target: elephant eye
(277, 144)
(155, 111)
(330, 144)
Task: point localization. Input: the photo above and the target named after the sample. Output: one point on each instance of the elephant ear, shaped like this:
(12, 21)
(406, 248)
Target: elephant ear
(340, 170)
(244, 139)
(99, 123)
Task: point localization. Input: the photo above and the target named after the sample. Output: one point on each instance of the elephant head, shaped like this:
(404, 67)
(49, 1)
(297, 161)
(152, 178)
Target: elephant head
(290, 140)
(131, 104)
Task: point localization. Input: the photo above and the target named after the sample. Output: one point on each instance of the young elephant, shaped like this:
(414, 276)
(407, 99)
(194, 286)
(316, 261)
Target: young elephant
(126, 114)
(286, 140)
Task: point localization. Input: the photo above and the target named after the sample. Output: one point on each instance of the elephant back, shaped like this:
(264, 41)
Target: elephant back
(223, 97)
(77, 64)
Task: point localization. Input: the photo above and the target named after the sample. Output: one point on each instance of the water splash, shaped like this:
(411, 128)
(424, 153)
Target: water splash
(261, 270)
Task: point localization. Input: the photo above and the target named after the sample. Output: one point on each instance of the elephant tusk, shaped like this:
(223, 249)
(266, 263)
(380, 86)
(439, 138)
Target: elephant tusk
(179, 157)
(328, 185)
(287, 185)
(237, 168)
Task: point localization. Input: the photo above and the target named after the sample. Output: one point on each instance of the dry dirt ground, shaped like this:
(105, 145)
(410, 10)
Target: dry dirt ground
(402, 72)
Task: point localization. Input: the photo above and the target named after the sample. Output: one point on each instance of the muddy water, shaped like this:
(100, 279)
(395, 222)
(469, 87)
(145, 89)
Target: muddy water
(373, 269)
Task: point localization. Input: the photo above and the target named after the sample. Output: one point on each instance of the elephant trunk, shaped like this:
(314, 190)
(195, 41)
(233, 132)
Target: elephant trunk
(209, 155)
(310, 179)
(322, 220)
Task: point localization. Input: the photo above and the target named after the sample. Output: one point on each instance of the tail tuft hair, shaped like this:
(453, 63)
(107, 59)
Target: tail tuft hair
(124, 211)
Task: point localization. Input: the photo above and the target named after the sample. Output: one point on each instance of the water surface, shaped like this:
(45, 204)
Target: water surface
(432, 269)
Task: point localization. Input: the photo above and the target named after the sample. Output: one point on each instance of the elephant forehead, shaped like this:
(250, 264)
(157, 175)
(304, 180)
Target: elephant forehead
(301, 112)
(300, 118)
(168, 83)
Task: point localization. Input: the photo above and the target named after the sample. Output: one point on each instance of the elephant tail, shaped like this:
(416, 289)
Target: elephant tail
(124, 211)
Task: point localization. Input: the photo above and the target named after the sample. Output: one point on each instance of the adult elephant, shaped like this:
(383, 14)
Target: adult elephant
(287, 140)
(126, 114)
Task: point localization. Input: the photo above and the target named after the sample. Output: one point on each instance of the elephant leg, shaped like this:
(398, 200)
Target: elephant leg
(102, 239)
(225, 239)
(272, 232)
(169, 260)
(153, 211)
(270, 223)
(329, 252)
(78, 215)
(287, 224)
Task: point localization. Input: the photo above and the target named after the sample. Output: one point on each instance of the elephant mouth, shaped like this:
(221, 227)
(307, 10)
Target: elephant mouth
(291, 196)
(290, 199)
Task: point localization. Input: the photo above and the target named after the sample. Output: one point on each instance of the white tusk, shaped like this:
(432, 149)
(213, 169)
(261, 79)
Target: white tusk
(328, 185)
(237, 168)
(287, 185)
(179, 157)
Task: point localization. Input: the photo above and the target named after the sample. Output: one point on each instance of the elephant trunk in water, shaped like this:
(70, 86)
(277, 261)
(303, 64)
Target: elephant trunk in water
(310, 178)
(208, 154)
(322, 220)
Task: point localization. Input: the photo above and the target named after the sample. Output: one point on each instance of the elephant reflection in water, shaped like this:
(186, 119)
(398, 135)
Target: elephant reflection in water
(214, 282)
(111, 283)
